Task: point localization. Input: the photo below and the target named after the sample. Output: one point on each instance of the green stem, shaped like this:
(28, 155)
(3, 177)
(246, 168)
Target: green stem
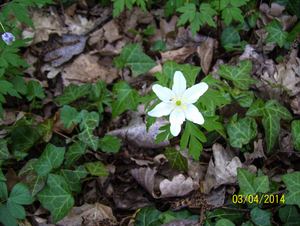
(2, 27)
(32, 103)
(75, 127)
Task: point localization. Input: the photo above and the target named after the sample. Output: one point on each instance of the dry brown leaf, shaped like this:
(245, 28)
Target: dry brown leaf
(111, 32)
(222, 170)
(145, 177)
(96, 37)
(257, 153)
(31, 60)
(205, 53)
(68, 46)
(78, 24)
(178, 55)
(85, 69)
(135, 133)
(217, 196)
(91, 213)
(50, 70)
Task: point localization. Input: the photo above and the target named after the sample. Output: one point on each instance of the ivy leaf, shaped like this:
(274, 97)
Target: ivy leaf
(96, 169)
(6, 218)
(149, 215)
(289, 215)
(241, 131)
(72, 93)
(24, 137)
(20, 194)
(159, 45)
(75, 152)
(56, 197)
(292, 181)
(176, 159)
(250, 185)
(98, 91)
(239, 74)
(109, 144)
(294, 33)
(193, 134)
(46, 127)
(68, 115)
(73, 177)
(34, 89)
(224, 222)
(127, 98)
(231, 39)
(132, 55)
(275, 33)
(296, 133)
(85, 115)
(4, 153)
(87, 135)
(34, 182)
(51, 158)
(16, 210)
(271, 112)
(261, 217)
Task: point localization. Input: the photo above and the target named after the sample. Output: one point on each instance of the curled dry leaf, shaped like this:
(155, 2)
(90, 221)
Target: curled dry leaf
(223, 170)
(205, 53)
(135, 133)
(178, 55)
(85, 69)
(65, 47)
(257, 153)
(91, 213)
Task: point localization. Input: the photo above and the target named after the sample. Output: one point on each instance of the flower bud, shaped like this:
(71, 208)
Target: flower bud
(8, 38)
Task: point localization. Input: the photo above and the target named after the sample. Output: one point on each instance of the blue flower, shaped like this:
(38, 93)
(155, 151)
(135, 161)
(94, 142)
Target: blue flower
(8, 38)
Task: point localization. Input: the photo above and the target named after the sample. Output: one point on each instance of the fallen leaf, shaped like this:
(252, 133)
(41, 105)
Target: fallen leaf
(205, 53)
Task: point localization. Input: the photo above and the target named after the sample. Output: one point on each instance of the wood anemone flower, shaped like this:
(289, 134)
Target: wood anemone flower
(178, 102)
(8, 38)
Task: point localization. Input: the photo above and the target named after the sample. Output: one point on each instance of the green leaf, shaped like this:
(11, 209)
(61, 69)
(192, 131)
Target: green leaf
(96, 169)
(98, 91)
(169, 68)
(46, 127)
(6, 87)
(225, 222)
(275, 33)
(19, 84)
(68, 115)
(127, 98)
(85, 115)
(20, 194)
(292, 6)
(21, 14)
(4, 153)
(34, 89)
(294, 33)
(109, 144)
(72, 93)
(56, 197)
(296, 133)
(34, 182)
(241, 131)
(159, 45)
(194, 135)
(132, 55)
(51, 158)
(87, 135)
(292, 181)
(73, 177)
(164, 135)
(289, 215)
(189, 12)
(16, 210)
(148, 215)
(149, 31)
(232, 215)
(171, 6)
(250, 185)
(6, 218)
(261, 217)
(3, 191)
(206, 13)
(119, 6)
(24, 137)
(230, 39)
(75, 152)
(239, 74)
(271, 112)
(176, 159)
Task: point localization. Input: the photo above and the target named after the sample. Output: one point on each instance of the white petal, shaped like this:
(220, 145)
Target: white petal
(193, 93)
(163, 93)
(163, 108)
(179, 83)
(176, 119)
(192, 113)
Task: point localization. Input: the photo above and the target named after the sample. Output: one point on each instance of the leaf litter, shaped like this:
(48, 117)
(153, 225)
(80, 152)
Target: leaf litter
(85, 59)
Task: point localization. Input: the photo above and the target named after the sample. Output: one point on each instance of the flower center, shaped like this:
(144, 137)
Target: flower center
(179, 103)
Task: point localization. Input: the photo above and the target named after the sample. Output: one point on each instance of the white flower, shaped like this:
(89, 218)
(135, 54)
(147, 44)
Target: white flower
(178, 102)
(8, 38)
